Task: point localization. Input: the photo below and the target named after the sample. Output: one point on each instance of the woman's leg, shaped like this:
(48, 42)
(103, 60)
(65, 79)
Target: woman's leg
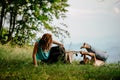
(57, 53)
(69, 56)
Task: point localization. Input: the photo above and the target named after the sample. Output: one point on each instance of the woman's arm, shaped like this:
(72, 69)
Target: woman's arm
(34, 54)
(57, 43)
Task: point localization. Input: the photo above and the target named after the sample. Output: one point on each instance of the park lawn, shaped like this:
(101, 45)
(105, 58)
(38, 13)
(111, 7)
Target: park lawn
(16, 64)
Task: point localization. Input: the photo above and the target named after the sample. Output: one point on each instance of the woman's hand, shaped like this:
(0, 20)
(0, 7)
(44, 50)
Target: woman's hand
(36, 65)
(61, 45)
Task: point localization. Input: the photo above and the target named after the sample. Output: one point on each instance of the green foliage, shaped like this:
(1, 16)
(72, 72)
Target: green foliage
(16, 64)
(4, 36)
(27, 17)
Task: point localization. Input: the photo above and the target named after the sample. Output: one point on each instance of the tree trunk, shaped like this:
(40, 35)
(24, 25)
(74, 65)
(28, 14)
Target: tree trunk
(13, 15)
(1, 19)
(11, 23)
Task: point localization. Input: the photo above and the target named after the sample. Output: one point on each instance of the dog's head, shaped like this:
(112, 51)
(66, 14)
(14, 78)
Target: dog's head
(85, 45)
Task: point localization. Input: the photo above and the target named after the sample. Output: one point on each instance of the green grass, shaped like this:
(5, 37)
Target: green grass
(16, 64)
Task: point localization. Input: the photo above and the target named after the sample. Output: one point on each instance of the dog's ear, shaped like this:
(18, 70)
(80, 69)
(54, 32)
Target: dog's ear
(85, 43)
(82, 45)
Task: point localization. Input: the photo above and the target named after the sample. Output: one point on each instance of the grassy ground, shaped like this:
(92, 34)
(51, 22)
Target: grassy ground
(16, 64)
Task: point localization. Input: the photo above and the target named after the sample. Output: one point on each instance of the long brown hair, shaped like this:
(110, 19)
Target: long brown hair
(45, 42)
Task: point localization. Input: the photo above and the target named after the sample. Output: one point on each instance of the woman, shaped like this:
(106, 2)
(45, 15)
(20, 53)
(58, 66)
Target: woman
(42, 48)
(97, 57)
